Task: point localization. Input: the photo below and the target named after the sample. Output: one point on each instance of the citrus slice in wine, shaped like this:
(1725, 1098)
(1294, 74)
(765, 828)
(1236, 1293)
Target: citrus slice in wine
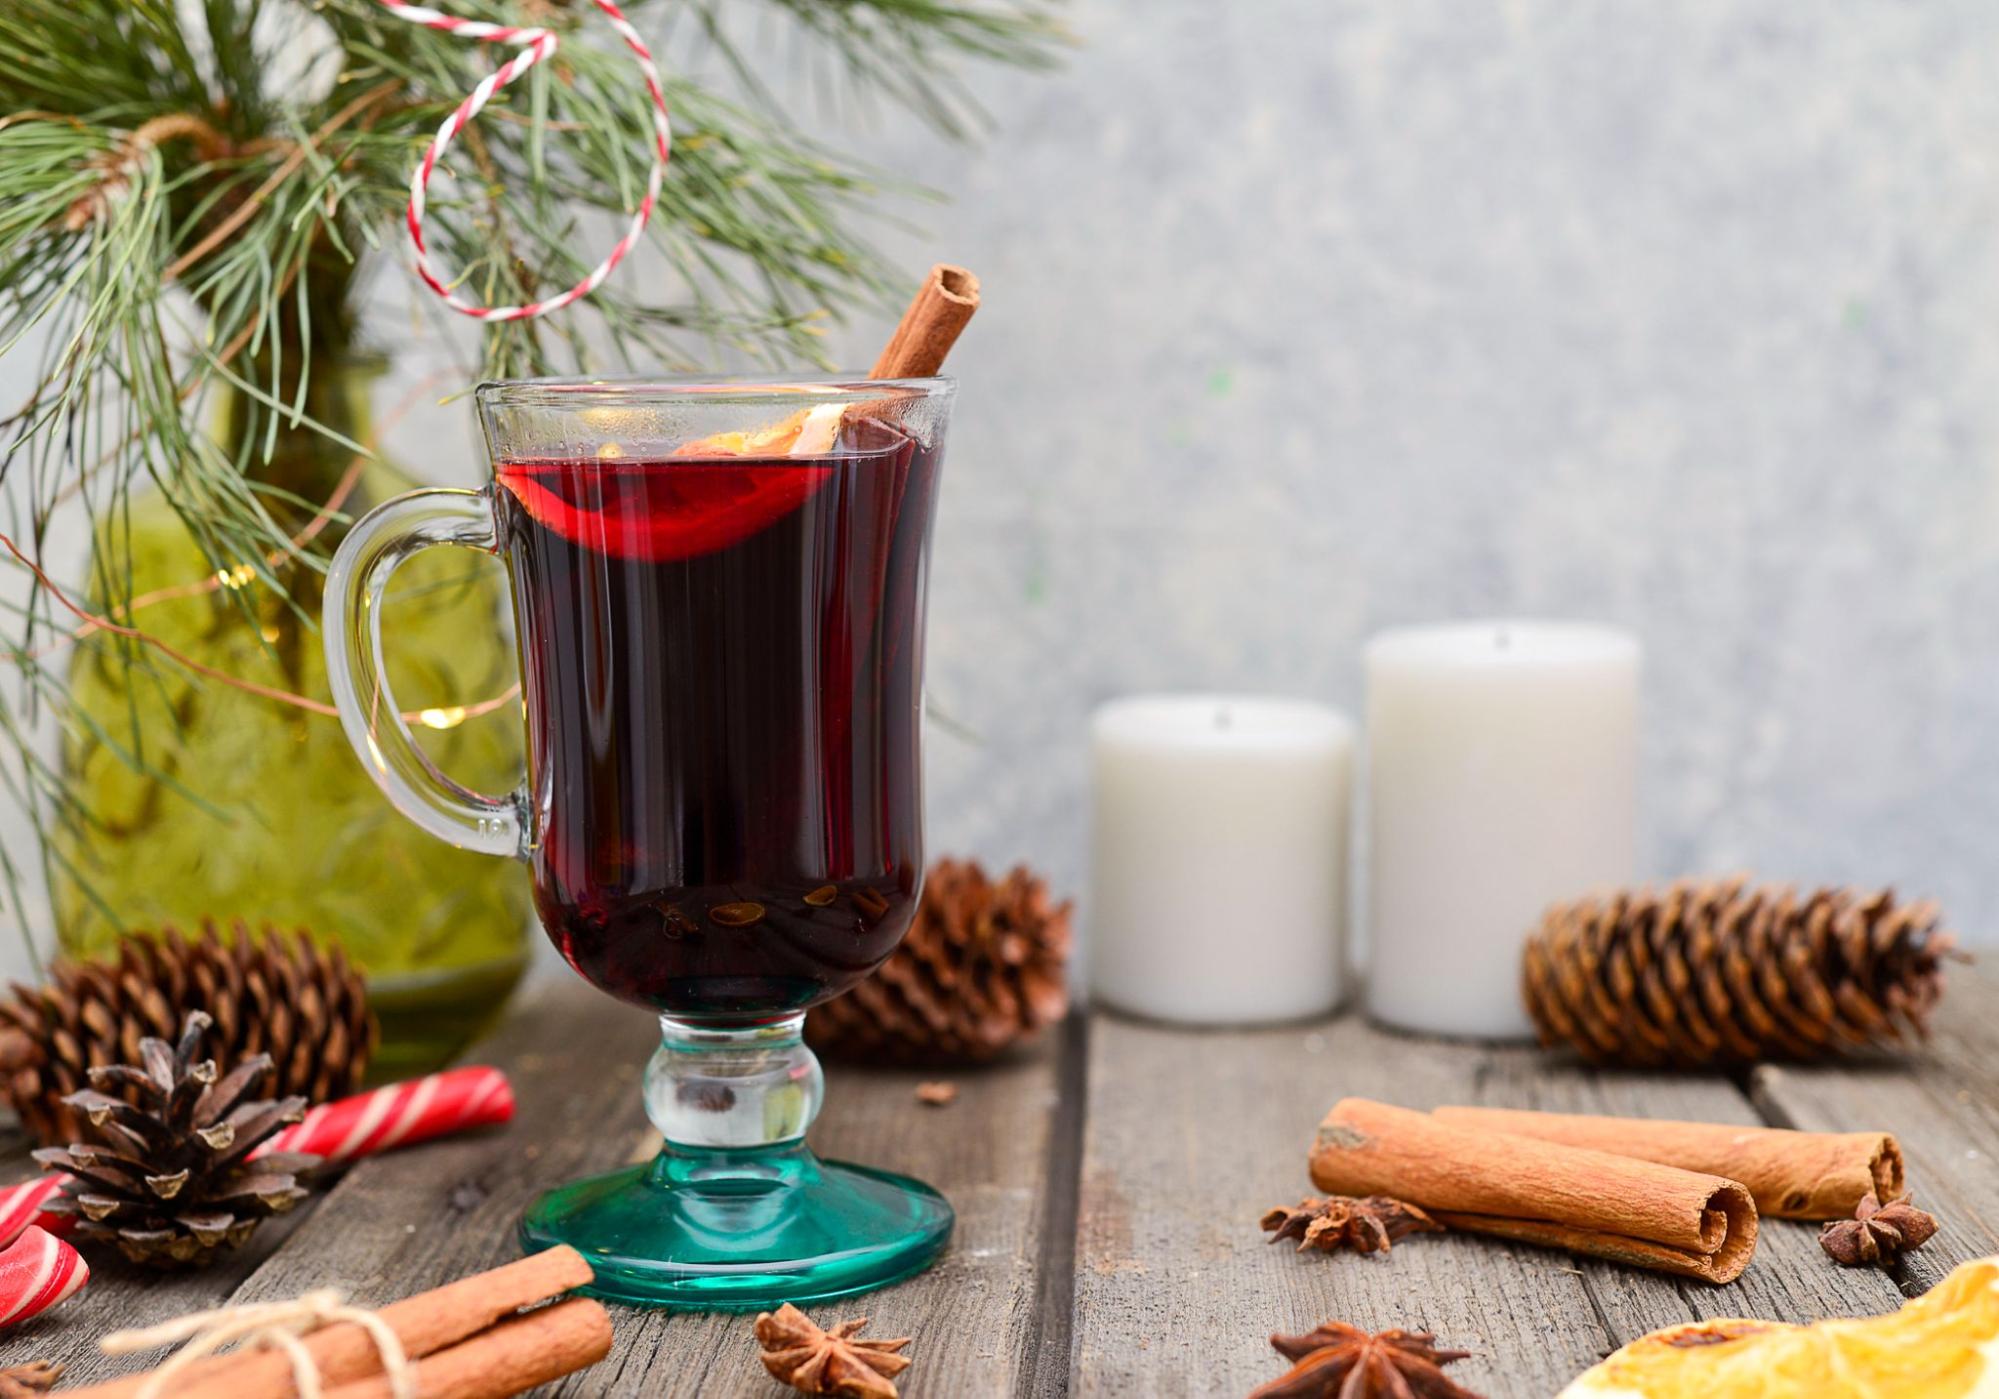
(704, 496)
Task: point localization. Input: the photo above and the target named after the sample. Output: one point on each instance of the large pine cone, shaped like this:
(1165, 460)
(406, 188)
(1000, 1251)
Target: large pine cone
(285, 995)
(984, 965)
(1706, 974)
(170, 1181)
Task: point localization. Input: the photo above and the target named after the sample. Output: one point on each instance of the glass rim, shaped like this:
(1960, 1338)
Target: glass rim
(718, 389)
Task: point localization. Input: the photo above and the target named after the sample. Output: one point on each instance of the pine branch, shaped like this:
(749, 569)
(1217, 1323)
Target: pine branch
(177, 236)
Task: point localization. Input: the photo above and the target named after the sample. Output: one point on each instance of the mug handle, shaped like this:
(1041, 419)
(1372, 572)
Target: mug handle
(351, 624)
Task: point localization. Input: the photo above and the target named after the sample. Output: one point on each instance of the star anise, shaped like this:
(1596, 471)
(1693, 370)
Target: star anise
(1338, 1361)
(1877, 1233)
(1334, 1222)
(813, 1361)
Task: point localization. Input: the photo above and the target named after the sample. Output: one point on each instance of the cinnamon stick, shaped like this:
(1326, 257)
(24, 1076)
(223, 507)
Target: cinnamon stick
(930, 326)
(1591, 1202)
(924, 336)
(424, 1323)
(516, 1355)
(1791, 1175)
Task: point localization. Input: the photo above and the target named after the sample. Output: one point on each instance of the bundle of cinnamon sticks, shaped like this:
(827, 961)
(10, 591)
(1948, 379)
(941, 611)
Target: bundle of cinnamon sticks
(469, 1339)
(1680, 1197)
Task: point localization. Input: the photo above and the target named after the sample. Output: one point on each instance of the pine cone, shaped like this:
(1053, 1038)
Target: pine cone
(169, 1181)
(285, 995)
(984, 965)
(1706, 974)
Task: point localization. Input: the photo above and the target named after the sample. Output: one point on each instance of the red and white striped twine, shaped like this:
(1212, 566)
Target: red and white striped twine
(536, 45)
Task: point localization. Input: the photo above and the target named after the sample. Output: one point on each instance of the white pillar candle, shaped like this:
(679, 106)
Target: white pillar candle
(1219, 878)
(1502, 777)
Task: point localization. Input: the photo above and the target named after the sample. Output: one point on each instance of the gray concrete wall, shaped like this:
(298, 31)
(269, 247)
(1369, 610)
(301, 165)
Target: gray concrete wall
(1308, 318)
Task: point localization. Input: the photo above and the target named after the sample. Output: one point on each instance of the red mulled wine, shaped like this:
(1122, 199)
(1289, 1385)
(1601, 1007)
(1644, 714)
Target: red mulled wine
(722, 660)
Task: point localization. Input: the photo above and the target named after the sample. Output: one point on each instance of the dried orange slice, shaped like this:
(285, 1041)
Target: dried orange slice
(1942, 1345)
(810, 432)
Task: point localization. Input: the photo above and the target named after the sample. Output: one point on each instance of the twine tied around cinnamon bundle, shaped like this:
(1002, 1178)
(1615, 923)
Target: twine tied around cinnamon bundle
(274, 1325)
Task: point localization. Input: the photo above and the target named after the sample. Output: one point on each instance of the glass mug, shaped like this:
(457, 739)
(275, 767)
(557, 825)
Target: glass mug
(718, 595)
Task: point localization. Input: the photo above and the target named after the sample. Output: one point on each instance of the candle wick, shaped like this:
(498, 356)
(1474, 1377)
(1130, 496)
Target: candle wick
(1504, 639)
(1221, 718)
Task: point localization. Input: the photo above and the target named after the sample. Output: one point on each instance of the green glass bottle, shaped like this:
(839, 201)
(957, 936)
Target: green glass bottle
(247, 807)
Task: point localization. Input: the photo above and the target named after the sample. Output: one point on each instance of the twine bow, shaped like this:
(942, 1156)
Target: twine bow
(265, 1324)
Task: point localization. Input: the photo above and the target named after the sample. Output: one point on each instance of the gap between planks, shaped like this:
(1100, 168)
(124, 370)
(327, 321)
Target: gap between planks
(1050, 1353)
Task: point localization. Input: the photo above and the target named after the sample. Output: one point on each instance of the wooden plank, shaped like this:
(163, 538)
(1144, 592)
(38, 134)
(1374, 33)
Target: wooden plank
(412, 1220)
(406, 1221)
(121, 1296)
(980, 1322)
(1943, 1106)
(1181, 1141)
(403, 1222)
(1191, 1136)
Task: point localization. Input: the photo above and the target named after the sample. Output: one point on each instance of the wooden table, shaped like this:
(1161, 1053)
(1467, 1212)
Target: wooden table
(1108, 1187)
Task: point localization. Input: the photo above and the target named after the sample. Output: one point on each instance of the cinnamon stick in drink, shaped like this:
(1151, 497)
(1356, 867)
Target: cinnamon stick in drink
(1590, 1202)
(1792, 1175)
(508, 1359)
(930, 326)
(426, 1322)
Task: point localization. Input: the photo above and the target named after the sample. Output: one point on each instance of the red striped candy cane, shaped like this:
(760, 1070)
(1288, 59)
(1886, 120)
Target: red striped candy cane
(21, 1206)
(536, 45)
(37, 1271)
(401, 1114)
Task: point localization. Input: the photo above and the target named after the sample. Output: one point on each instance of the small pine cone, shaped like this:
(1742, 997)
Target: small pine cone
(285, 995)
(167, 1174)
(984, 965)
(1709, 974)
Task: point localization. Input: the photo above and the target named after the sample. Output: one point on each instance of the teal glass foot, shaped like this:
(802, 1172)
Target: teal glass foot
(736, 1213)
(731, 1230)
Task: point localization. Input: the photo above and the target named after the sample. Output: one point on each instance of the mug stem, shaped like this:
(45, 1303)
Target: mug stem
(737, 1212)
(711, 1087)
